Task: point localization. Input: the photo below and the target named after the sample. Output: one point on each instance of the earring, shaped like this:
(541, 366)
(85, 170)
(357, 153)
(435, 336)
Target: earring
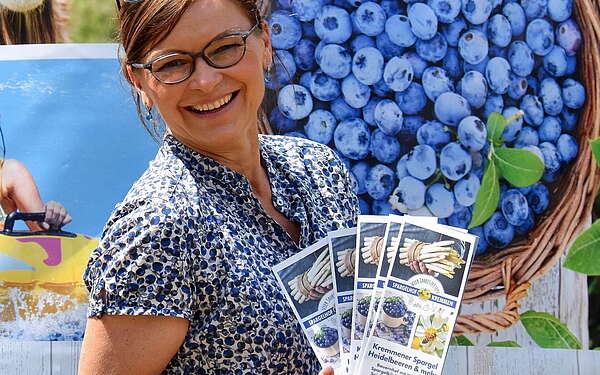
(149, 116)
(268, 73)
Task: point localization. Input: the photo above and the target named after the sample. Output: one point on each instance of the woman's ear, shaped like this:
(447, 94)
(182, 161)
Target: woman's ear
(135, 80)
(266, 38)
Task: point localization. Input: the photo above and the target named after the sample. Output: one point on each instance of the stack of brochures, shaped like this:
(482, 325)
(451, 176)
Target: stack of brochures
(383, 297)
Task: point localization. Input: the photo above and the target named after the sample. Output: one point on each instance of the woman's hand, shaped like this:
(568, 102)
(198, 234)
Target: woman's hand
(326, 371)
(56, 216)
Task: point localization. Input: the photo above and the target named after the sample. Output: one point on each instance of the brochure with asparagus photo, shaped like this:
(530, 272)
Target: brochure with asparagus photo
(420, 302)
(307, 282)
(342, 246)
(370, 235)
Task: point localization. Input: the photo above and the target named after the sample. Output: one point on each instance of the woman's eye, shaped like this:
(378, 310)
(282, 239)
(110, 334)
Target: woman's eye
(226, 47)
(171, 65)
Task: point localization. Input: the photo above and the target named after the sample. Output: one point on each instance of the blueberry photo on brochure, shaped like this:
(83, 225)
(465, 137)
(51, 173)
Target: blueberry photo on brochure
(308, 280)
(395, 321)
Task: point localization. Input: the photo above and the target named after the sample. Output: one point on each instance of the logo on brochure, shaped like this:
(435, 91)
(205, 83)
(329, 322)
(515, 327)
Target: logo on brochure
(426, 286)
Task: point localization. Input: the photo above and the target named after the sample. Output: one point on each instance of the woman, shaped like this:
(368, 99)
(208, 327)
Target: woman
(181, 282)
(18, 191)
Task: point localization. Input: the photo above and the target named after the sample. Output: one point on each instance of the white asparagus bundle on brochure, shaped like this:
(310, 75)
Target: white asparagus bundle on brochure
(318, 276)
(346, 262)
(371, 251)
(438, 256)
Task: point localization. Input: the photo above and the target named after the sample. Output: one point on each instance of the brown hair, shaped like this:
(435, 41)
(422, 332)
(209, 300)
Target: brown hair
(35, 26)
(145, 24)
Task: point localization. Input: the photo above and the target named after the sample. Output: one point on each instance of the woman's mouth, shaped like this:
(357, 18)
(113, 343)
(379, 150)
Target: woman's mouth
(216, 106)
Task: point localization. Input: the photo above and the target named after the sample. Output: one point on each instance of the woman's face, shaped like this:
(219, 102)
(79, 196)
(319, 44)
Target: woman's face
(184, 106)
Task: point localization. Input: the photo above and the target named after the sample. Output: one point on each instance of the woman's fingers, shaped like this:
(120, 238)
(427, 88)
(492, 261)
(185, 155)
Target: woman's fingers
(326, 371)
(56, 215)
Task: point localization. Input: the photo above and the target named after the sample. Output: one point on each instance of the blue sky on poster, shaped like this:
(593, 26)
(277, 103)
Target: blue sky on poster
(69, 117)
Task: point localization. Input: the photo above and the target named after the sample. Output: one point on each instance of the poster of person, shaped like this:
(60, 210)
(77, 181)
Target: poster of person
(71, 139)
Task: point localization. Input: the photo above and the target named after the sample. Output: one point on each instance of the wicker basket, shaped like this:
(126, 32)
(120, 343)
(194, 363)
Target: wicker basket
(510, 272)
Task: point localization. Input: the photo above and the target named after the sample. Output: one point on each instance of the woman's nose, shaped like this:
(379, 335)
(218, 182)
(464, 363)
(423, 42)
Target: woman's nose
(205, 77)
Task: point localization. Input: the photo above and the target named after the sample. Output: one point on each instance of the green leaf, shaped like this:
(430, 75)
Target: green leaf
(598, 348)
(584, 255)
(460, 340)
(504, 344)
(595, 143)
(495, 126)
(548, 332)
(519, 167)
(487, 196)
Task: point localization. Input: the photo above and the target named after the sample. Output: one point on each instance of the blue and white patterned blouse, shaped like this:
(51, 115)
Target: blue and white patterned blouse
(191, 240)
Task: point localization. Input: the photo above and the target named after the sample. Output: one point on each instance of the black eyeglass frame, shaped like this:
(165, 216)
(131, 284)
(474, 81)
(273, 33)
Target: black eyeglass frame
(126, 1)
(194, 56)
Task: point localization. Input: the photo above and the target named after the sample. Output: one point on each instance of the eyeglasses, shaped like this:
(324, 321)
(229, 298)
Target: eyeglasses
(126, 1)
(221, 53)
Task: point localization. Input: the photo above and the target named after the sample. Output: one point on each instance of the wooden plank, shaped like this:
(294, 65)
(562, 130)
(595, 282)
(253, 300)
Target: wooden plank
(65, 357)
(456, 361)
(25, 357)
(589, 362)
(574, 304)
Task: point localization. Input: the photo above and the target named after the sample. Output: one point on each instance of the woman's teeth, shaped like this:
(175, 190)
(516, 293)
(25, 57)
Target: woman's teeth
(212, 106)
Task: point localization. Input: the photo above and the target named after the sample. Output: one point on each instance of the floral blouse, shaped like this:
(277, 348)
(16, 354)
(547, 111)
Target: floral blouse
(191, 240)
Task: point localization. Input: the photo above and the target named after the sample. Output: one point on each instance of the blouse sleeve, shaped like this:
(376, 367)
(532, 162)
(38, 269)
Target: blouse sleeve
(142, 265)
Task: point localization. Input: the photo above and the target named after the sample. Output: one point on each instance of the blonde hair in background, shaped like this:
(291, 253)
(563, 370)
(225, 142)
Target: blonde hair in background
(33, 21)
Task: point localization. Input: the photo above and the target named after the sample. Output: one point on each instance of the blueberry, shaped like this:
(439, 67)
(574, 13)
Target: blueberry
(496, 51)
(538, 198)
(473, 46)
(342, 111)
(370, 18)
(388, 117)
(476, 67)
(410, 127)
(367, 65)
(285, 70)
(512, 130)
(307, 10)
(280, 122)
(391, 7)
(516, 16)
(466, 189)
(536, 151)
(398, 73)
(411, 192)
(571, 65)
(387, 48)
(552, 157)
(555, 62)
(304, 54)
(401, 170)
(527, 136)
(461, 217)
(482, 244)
(423, 21)
(514, 207)
(451, 108)
(335, 61)
(295, 134)
(453, 31)
(534, 111)
(455, 161)
(560, 10)
(567, 147)
(573, 93)
(439, 200)
(551, 95)
(568, 36)
(346, 319)
(352, 138)
(385, 148)
(540, 36)
(569, 119)
(497, 74)
(493, 103)
(421, 162)
(394, 307)
(498, 232)
(473, 87)
(360, 42)
(323, 87)
(419, 65)
(452, 63)
(285, 30)
(476, 11)
(445, 10)
(472, 133)
(326, 337)
(550, 129)
(383, 207)
(398, 29)
(360, 171)
(369, 111)
(534, 8)
(518, 87)
(434, 49)
(436, 82)
(381, 89)
(320, 126)
(499, 30)
(295, 102)
(333, 25)
(355, 93)
(527, 226)
(412, 100)
(380, 181)
(434, 134)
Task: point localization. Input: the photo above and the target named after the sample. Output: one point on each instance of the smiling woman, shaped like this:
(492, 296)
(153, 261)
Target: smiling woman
(181, 281)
